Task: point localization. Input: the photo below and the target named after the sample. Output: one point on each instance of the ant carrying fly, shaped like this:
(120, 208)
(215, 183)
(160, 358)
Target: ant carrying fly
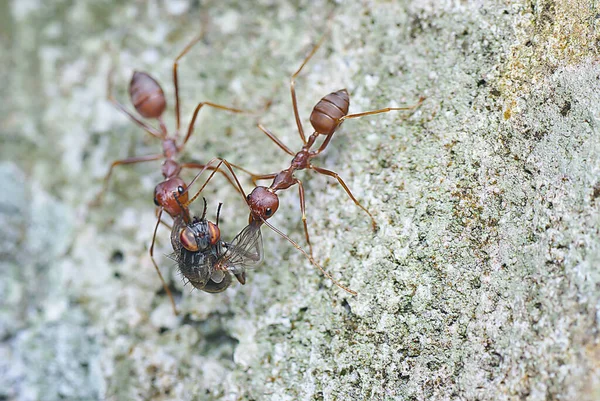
(263, 202)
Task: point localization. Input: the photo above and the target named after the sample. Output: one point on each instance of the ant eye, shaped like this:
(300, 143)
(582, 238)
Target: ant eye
(180, 189)
(268, 212)
(248, 197)
(156, 202)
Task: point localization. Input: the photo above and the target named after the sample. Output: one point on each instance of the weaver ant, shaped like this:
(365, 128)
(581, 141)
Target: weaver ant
(326, 117)
(149, 101)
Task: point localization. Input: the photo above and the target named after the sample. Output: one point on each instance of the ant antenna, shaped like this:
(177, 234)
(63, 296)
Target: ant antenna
(337, 283)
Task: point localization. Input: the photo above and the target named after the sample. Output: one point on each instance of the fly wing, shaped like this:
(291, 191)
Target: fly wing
(245, 251)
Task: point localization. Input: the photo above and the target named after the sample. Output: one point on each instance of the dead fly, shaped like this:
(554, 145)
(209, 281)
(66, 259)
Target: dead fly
(208, 262)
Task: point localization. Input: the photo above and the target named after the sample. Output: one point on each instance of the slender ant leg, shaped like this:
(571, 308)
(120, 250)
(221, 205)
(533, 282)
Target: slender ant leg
(343, 184)
(303, 210)
(201, 104)
(156, 265)
(264, 176)
(310, 258)
(276, 140)
(323, 145)
(208, 167)
(215, 169)
(158, 210)
(254, 177)
(176, 78)
(169, 227)
(293, 88)
(129, 160)
(387, 109)
(214, 105)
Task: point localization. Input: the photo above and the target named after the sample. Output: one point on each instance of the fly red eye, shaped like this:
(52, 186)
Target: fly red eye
(188, 240)
(214, 233)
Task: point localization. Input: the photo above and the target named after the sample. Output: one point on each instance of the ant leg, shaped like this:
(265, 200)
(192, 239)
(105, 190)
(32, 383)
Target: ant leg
(158, 210)
(169, 227)
(387, 109)
(293, 87)
(205, 167)
(229, 167)
(323, 145)
(251, 173)
(156, 265)
(152, 131)
(256, 178)
(276, 140)
(303, 210)
(185, 50)
(310, 258)
(129, 160)
(215, 169)
(216, 106)
(343, 184)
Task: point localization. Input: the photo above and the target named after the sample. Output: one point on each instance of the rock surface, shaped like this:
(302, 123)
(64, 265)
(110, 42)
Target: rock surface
(482, 282)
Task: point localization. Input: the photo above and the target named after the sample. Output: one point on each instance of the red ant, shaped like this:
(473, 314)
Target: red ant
(329, 113)
(149, 101)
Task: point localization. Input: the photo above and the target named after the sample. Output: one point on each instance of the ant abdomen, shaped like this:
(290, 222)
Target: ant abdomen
(326, 115)
(146, 95)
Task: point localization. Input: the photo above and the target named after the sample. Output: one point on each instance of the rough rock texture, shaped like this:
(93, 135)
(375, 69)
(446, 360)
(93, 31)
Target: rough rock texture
(482, 282)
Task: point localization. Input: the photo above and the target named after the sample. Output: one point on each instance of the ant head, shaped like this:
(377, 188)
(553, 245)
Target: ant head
(146, 95)
(263, 203)
(199, 236)
(170, 195)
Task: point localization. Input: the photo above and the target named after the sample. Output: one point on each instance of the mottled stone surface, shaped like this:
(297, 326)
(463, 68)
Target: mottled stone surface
(482, 282)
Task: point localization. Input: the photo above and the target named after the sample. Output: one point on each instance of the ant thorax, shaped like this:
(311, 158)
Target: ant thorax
(300, 161)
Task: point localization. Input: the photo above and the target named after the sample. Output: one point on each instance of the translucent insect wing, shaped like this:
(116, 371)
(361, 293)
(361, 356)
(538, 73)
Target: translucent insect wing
(245, 251)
